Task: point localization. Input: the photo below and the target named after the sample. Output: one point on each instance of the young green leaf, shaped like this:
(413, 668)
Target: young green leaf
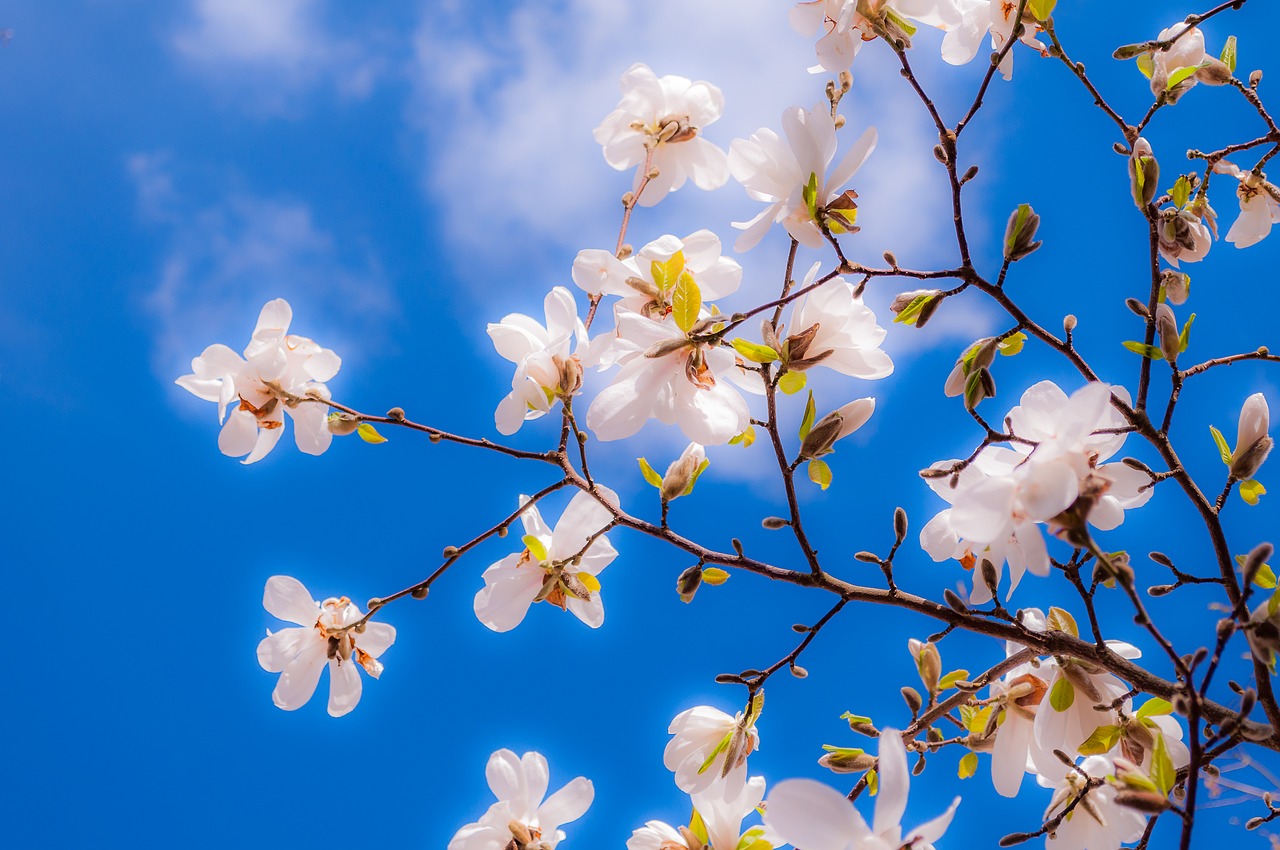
(1185, 336)
(1012, 345)
(535, 547)
(1062, 621)
(791, 382)
(666, 273)
(1251, 491)
(1163, 773)
(650, 474)
(754, 351)
(1143, 349)
(1154, 707)
(370, 434)
(968, 766)
(949, 680)
(1062, 695)
(697, 473)
(820, 473)
(1223, 449)
(1228, 56)
(810, 194)
(1101, 741)
(714, 576)
(686, 302)
(746, 438)
(806, 423)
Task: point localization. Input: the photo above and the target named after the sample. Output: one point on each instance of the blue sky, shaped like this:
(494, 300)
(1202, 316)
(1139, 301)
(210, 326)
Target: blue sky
(404, 174)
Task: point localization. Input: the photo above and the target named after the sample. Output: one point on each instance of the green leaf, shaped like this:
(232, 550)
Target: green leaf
(1021, 214)
(666, 273)
(855, 719)
(873, 783)
(1154, 707)
(810, 410)
(1012, 345)
(1101, 741)
(535, 547)
(968, 766)
(650, 474)
(1265, 577)
(746, 438)
(1062, 621)
(1251, 491)
(901, 22)
(686, 302)
(1041, 9)
(1228, 55)
(754, 351)
(1223, 449)
(820, 473)
(714, 576)
(1062, 695)
(698, 827)
(791, 382)
(911, 312)
(719, 748)
(1143, 349)
(755, 709)
(1185, 336)
(1163, 773)
(697, 473)
(1181, 74)
(1145, 65)
(370, 434)
(849, 752)
(811, 195)
(976, 719)
(1181, 192)
(1273, 603)
(949, 680)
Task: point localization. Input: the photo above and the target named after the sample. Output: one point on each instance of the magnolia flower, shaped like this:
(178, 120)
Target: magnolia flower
(1097, 822)
(664, 116)
(834, 426)
(721, 819)
(560, 566)
(792, 179)
(709, 749)
(544, 367)
(1259, 205)
(278, 372)
(669, 375)
(977, 18)
(299, 655)
(521, 819)
(1019, 696)
(848, 23)
(814, 816)
(1173, 71)
(1186, 235)
(838, 331)
(647, 280)
(1253, 443)
(1067, 717)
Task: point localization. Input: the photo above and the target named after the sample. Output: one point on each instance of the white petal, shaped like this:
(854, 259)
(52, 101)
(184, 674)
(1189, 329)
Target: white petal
(813, 816)
(568, 804)
(894, 780)
(286, 597)
(299, 679)
(344, 686)
(239, 434)
(275, 651)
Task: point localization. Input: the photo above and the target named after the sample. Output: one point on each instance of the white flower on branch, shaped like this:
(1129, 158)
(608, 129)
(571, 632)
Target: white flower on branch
(545, 368)
(709, 750)
(977, 18)
(560, 566)
(837, 331)
(845, 24)
(325, 637)
(1253, 442)
(277, 372)
(1067, 716)
(721, 819)
(1259, 205)
(664, 116)
(814, 816)
(1097, 822)
(647, 281)
(791, 177)
(522, 819)
(1173, 71)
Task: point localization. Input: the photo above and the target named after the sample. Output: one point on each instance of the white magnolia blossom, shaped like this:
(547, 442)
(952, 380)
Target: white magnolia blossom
(1098, 822)
(521, 814)
(667, 375)
(299, 655)
(556, 566)
(665, 115)
(791, 177)
(1253, 442)
(1079, 687)
(1173, 71)
(1187, 235)
(277, 372)
(977, 18)
(721, 818)
(708, 750)
(812, 816)
(544, 364)
(845, 24)
(1020, 693)
(1004, 494)
(644, 280)
(1259, 206)
(845, 335)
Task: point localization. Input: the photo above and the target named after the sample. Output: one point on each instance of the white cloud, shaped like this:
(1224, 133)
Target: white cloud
(270, 49)
(225, 258)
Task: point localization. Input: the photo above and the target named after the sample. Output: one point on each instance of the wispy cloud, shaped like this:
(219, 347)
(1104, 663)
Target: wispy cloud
(268, 50)
(227, 256)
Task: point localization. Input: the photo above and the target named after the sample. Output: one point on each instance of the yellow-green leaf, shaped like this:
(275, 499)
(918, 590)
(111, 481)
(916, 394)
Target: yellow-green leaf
(1181, 192)
(650, 474)
(746, 438)
(590, 582)
(754, 351)
(1251, 491)
(1185, 336)
(719, 748)
(806, 423)
(1221, 442)
(1062, 621)
(810, 194)
(535, 547)
(686, 302)
(1143, 349)
(909, 314)
(1041, 9)
(1012, 345)
(949, 680)
(1062, 695)
(1273, 603)
(820, 473)
(1145, 65)
(714, 576)
(666, 273)
(873, 783)
(1265, 577)
(791, 382)
(1154, 707)
(968, 765)
(1101, 741)
(697, 473)
(1228, 55)
(1181, 74)
(370, 434)
(697, 827)
(1163, 773)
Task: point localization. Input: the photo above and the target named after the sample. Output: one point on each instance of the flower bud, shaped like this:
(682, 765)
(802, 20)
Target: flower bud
(847, 761)
(1020, 233)
(839, 423)
(689, 582)
(1213, 72)
(913, 700)
(1147, 802)
(926, 309)
(928, 663)
(1167, 331)
(682, 473)
(342, 424)
(1253, 444)
(570, 374)
(1177, 287)
(1144, 173)
(1254, 561)
(773, 523)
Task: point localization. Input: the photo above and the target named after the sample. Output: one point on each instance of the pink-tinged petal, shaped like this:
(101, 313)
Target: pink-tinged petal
(1009, 755)
(275, 317)
(376, 638)
(512, 340)
(217, 361)
(852, 161)
(894, 779)
(207, 389)
(984, 515)
(835, 50)
(1048, 489)
(505, 776)
(534, 524)
(536, 777)
(930, 831)
(806, 17)
(239, 434)
(323, 365)
(275, 651)
(755, 229)
(583, 517)
(800, 128)
(311, 428)
(855, 414)
(701, 250)
(568, 804)
(298, 681)
(562, 314)
(589, 611)
(667, 181)
(1035, 554)
(502, 605)
(622, 408)
(937, 538)
(286, 598)
(710, 416)
(267, 439)
(600, 272)
(344, 686)
(813, 816)
(708, 165)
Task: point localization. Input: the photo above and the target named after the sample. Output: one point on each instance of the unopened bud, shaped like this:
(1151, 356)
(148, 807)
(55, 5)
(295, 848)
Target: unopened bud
(342, 424)
(1161, 589)
(1144, 173)
(798, 671)
(1213, 72)
(969, 174)
(867, 557)
(1255, 77)
(689, 582)
(913, 700)
(1177, 286)
(954, 601)
(1167, 329)
(450, 551)
(847, 762)
(520, 833)
(773, 523)
(396, 413)
(891, 259)
(1137, 308)
(419, 592)
(928, 663)
(899, 524)
(991, 578)
(679, 478)
(1069, 322)
(1020, 233)
(1254, 561)
(1148, 802)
